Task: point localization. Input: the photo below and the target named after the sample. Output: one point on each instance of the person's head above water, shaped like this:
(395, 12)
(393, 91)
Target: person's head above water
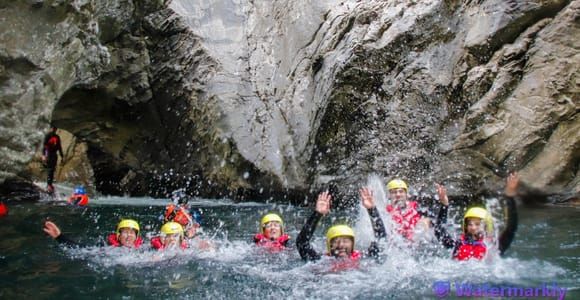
(477, 222)
(272, 226)
(171, 234)
(80, 190)
(127, 232)
(340, 241)
(398, 192)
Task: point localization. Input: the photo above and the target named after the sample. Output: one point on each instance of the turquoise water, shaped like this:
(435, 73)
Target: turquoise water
(546, 249)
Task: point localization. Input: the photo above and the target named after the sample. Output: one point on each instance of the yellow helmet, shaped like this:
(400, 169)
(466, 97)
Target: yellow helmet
(397, 184)
(128, 223)
(336, 231)
(271, 218)
(481, 213)
(172, 228)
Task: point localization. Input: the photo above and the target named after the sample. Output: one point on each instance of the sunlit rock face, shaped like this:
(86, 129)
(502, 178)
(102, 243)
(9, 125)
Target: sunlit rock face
(262, 98)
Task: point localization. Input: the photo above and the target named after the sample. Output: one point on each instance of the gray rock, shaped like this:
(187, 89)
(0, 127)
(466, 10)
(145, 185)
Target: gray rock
(276, 99)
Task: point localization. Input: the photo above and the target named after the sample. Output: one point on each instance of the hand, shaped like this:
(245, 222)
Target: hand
(512, 182)
(51, 229)
(44, 158)
(323, 203)
(442, 192)
(205, 245)
(366, 195)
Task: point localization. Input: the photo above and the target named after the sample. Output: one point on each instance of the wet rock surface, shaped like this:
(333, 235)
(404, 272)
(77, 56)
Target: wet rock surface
(259, 99)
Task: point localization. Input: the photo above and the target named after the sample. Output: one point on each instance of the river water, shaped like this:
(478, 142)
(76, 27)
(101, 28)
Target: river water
(32, 265)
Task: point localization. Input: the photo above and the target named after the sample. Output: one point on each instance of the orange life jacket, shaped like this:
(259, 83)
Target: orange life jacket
(79, 199)
(406, 221)
(178, 214)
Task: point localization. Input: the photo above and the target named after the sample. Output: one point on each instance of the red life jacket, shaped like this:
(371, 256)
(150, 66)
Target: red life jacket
(157, 245)
(350, 263)
(79, 199)
(273, 245)
(114, 241)
(3, 209)
(52, 143)
(470, 249)
(177, 214)
(406, 221)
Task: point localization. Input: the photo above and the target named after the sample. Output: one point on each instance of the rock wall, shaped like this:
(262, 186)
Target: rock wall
(280, 98)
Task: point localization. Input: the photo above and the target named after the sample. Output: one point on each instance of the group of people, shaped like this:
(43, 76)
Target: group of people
(182, 225)
(473, 243)
(179, 230)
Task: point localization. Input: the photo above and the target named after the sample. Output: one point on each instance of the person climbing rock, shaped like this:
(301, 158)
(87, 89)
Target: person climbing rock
(477, 227)
(51, 147)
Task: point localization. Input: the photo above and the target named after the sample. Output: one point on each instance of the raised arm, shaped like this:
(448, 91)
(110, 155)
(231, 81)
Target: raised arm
(303, 240)
(440, 232)
(54, 232)
(368, 201)
(508, 234)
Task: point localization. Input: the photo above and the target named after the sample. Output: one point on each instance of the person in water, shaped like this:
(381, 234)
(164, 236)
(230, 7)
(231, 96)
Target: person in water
(477, 227)
(272, 236)
(178, 211)
(340, 239)
(51, 146)
(171, 237)
(79, 196)
(405, 211)
(126, 235)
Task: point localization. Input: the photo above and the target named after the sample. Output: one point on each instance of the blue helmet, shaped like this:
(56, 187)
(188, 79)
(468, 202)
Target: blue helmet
(79, 189)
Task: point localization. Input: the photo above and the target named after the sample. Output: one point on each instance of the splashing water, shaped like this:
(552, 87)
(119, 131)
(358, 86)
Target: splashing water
(545, 250)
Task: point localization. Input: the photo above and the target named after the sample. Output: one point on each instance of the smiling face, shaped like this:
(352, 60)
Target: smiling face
(127, 237)
(474, 227)
(273, 230)
(171, 240)
(341, 246)
(399, 197)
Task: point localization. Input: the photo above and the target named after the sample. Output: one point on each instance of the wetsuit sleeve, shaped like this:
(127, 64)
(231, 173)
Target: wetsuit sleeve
(440, 232)
(378, 229)
(378, 225)
(507, 235)
(64, 240)
(303, 240)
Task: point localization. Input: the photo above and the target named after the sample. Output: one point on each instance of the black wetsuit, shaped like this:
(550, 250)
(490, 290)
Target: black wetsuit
(52, 146)
(64, 240)
(308, 253)
(505, 238)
